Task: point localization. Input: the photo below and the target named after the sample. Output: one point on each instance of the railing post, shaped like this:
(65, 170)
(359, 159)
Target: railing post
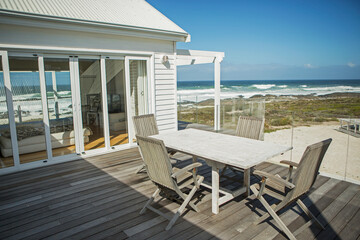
(217, 94)
(179, 117)
(19, 113)
(196, 105)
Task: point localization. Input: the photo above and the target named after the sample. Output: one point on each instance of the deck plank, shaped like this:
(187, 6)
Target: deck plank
(100, 198)
(351, 230)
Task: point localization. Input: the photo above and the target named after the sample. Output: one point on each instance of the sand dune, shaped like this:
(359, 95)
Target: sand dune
(342, 158)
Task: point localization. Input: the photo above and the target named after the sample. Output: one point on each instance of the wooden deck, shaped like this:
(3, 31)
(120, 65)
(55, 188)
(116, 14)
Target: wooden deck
(101, 198)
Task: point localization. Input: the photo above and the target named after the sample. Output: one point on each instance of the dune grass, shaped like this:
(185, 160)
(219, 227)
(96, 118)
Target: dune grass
(280, 112)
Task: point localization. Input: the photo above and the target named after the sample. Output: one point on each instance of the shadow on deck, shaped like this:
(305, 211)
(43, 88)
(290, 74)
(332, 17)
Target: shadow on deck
(101, 197)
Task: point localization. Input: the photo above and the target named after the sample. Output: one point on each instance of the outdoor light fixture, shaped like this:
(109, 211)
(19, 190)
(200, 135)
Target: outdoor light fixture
(165, 59)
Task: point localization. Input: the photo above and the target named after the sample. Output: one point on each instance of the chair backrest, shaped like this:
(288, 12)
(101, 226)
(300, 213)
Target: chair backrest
(250, 127)
(145, 125)
(157, 161)
(308, 169)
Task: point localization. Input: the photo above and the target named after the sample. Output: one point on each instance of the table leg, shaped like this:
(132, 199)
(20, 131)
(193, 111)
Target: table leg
(215, 189)
(194, 161)
(247, 181)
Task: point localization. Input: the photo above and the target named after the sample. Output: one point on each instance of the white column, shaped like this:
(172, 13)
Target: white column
(217, 94)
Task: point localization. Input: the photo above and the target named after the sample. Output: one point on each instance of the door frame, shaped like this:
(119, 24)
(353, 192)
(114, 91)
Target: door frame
(11, 113)
(150, 93)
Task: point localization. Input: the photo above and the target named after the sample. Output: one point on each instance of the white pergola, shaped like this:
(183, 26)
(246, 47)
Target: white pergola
(191, 57)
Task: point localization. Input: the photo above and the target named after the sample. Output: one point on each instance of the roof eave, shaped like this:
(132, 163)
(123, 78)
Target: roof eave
(44, 21)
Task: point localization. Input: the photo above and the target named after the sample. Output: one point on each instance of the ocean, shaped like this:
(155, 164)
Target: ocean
(202, 90)
(29, 98)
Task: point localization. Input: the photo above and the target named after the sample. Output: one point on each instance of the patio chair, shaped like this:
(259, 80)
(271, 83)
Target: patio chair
(250, 127)
(145, 125)
(170, 181)
(247, 127)
(292, 189)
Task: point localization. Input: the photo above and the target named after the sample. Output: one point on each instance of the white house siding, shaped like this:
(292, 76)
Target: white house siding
(165, 93)
(44, 37)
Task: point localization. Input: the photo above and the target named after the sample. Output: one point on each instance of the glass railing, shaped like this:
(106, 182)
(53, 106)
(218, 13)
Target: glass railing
(195, 110)
(232, 108)
(292, 121)
(302, 121)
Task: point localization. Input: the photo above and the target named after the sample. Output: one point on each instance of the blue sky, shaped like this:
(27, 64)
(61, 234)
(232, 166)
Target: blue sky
(277, 39)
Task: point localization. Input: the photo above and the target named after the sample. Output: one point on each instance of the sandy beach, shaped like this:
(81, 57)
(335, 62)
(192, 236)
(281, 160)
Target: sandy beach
(342, 158)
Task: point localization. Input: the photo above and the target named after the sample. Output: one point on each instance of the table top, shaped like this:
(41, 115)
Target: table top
(231, 150)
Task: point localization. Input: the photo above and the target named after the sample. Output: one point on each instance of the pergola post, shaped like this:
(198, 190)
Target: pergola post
(217, 94)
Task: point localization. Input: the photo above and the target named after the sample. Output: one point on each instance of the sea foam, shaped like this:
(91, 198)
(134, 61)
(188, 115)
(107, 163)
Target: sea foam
(263, 86)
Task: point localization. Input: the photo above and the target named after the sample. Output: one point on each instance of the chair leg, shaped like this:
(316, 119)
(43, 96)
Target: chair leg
(309, 213)
(150, 201)
(223, 170)
(139, 169)
(274, 215)
(262, 218)
(182, 207)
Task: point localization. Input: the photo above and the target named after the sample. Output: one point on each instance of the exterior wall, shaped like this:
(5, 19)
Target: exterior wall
(165, 93)
(20, 35)
(164, 73)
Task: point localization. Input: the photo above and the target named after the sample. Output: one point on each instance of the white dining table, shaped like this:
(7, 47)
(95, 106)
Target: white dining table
(219, 150)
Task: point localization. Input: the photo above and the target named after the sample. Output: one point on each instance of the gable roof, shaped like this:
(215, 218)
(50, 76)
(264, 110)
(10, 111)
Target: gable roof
(136, 14)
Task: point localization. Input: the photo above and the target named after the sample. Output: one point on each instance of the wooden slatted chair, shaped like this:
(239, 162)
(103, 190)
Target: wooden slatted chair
(247, 127)
(250, 127)
(170, 181)
(289, 191)
(145, 125)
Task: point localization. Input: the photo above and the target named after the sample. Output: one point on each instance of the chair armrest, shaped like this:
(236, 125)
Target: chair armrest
(293, 164)
(185, 169)
(274, 178)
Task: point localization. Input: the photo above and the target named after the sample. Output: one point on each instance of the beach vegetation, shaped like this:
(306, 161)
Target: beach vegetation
(280, 112)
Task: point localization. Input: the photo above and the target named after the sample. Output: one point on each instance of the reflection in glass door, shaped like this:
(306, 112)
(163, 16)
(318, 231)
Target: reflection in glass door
(91, 103)
(6, 158)
(137, 89)
(25, 82)
(115, 88)
(59, 100)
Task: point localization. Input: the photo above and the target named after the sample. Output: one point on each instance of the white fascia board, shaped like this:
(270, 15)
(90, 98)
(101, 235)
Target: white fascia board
(88, 26)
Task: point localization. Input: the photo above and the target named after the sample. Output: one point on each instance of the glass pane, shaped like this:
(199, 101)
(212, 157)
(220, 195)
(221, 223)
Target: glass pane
(138, 87)
(25, 82)
(91, 102)
(58, 88)
(115, 83)
(6, 159)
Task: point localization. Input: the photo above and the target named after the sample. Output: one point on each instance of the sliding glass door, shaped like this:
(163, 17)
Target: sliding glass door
(6, 141)
(28, 108)
(54, 106)
(59, 104)
(137, 74)
(116, 101)
(91, 104)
